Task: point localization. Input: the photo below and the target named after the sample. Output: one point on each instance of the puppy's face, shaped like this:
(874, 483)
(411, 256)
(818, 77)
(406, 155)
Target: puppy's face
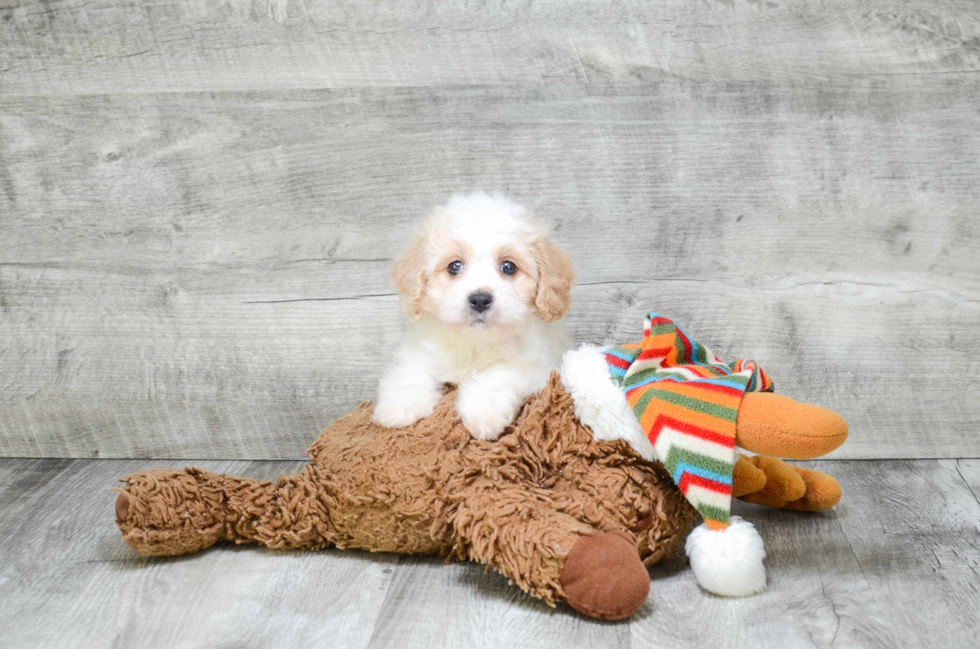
(480, 262)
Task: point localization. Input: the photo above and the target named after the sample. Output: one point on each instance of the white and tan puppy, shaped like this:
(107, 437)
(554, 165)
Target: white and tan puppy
(483, 288)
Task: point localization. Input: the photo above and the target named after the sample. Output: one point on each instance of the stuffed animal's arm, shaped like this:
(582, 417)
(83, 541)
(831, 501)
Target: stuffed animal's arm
(769, 481)
(165, 512)
(550, 554)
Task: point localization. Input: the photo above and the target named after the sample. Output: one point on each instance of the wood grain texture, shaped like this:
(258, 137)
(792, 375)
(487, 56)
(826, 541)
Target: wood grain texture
(894, 564)
(969, 470)
(431, 604)
(921, 545)
(67, 580)
(126, 46)
(192, 275)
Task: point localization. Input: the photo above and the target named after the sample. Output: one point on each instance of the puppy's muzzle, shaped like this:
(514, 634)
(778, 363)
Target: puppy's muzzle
(480, 301)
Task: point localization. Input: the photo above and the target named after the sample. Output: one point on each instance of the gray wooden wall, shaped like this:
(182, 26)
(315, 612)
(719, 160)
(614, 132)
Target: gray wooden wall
(200, 201)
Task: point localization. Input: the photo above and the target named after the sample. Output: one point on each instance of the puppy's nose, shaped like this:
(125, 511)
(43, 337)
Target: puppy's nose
(480, 301)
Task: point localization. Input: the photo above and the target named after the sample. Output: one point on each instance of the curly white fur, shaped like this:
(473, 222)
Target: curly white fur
(599, 403)
(497, 356)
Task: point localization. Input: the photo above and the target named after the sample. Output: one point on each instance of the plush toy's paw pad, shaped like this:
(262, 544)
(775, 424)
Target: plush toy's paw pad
(603, 576)
(123, 502)
(822, 492)
(122, 507)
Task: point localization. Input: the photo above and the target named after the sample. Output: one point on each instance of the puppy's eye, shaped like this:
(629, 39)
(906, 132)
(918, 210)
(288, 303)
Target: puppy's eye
(456, 267)
(508, 268)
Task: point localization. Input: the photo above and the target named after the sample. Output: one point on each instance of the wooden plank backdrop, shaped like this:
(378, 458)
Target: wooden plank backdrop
(127, 46)
(200, 202)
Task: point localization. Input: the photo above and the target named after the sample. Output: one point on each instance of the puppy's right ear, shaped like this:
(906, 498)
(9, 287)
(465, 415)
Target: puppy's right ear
(555, 279)
(409, 276)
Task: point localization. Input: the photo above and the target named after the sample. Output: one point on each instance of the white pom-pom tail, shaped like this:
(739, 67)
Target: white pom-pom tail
(728, 562)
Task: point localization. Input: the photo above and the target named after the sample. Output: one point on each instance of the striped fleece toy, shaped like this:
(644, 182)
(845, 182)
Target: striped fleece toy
(686, 401)
(675, 402)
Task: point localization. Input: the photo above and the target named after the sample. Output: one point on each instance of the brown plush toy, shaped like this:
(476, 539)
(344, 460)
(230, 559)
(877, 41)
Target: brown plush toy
(564, 516)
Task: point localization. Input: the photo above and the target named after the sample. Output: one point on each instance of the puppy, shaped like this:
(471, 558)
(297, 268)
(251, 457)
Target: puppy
(483, 288)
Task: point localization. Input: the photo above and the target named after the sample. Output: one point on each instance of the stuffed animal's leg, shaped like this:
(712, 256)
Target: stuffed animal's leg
(769, 481)
(552, 555)
(776, 425)
(168, 512)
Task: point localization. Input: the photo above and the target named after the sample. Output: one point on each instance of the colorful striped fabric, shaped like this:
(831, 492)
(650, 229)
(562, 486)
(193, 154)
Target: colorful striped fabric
(686, 401)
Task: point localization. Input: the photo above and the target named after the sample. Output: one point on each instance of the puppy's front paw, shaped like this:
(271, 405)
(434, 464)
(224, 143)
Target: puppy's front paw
(399, 413)
(484, 418)
(405, 395)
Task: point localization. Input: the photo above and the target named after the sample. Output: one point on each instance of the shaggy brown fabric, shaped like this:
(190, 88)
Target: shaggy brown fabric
(544, 497)
(518, 504)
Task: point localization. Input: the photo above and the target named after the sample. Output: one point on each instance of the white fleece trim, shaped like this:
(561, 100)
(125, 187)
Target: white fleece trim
(599, 403)
(728, 562)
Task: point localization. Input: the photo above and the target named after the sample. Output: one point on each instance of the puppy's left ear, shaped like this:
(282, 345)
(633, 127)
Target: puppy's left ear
(555, 278)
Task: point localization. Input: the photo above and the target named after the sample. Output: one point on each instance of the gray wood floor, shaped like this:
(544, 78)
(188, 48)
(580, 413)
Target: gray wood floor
(896, 564)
